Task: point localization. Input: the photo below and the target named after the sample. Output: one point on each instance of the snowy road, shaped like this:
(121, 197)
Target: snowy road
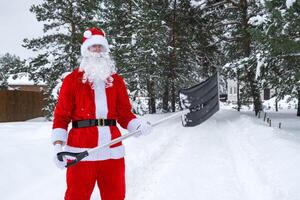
(228, 157)
(231, 156)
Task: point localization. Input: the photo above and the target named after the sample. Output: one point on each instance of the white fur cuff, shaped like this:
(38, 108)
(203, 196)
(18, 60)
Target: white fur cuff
(59, 134)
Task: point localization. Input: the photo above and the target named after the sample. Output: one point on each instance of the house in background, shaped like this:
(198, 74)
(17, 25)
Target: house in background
(22, 100)
(23, 83)
(232, 92)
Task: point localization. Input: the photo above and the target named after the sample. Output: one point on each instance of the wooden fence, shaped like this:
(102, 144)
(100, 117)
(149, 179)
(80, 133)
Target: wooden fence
(20, 105)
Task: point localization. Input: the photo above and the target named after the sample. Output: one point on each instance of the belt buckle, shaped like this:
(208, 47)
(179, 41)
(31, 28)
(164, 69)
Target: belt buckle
(100, 122)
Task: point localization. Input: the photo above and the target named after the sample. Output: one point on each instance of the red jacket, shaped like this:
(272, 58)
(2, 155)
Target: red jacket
(77, 102)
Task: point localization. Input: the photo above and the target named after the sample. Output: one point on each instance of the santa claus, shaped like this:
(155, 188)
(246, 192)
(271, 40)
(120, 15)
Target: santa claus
(94, 98)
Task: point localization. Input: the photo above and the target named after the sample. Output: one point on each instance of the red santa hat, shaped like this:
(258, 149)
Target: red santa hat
(94, 36)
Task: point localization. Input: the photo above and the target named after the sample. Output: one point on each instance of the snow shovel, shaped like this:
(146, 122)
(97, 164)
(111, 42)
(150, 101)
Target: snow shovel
(200, 102)
(81, 155)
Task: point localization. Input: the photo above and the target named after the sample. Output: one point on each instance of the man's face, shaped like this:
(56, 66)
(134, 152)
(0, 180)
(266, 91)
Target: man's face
(96, 48)
(96, 64)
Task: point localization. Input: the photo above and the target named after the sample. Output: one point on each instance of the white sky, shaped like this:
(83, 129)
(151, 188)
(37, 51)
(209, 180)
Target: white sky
(17, 23)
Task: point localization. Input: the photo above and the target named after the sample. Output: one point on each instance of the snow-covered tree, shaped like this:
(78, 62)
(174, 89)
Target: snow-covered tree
(192, 52)
(9, 65)
(159, 47)
(233, 25)
(279, 40)
(59, 48)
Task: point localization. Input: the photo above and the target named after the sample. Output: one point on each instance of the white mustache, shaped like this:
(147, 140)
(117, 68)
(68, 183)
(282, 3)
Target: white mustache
(97, 67)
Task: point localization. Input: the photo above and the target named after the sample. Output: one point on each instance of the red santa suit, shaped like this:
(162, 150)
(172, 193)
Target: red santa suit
(79, 101)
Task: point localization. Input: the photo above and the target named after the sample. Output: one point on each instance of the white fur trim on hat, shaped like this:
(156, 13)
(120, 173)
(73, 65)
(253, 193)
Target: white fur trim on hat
(95, 39)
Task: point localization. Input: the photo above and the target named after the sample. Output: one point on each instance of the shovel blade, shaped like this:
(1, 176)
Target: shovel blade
(202, 100)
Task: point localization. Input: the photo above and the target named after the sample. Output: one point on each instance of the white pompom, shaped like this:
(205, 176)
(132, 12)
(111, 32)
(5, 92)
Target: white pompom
(87, 34)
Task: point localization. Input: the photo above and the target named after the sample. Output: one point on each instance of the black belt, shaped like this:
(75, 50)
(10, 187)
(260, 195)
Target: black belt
(93, 122)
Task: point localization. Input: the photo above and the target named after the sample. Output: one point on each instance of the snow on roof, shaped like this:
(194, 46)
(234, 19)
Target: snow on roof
(22, 79)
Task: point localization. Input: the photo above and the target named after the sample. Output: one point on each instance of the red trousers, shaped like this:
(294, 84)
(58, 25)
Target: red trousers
(109, 175)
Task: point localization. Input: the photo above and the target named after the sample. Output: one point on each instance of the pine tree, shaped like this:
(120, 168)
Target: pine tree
(193, 54)
(151, 48)
(59, 48)
(116, 18)
(120, 20)
(280, 36)
(9, 65)
(239, 47)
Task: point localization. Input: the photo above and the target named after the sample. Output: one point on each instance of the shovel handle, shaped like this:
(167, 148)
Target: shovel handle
(77, 157)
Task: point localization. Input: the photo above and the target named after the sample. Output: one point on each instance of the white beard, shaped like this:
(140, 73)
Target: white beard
(97, 67)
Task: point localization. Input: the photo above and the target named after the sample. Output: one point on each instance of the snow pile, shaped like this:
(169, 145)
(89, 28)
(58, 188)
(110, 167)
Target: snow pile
(286, 103)
(232, 156)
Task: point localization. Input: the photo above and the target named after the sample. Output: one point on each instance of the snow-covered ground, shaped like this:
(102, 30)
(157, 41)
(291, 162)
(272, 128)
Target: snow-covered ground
(232, 156)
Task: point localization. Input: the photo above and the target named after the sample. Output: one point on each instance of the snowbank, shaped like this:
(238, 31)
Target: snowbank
(232, 156)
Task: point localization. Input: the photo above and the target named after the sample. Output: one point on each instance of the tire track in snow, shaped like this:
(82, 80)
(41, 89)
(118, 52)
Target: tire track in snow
(141, 179)
(214, 161)
(194, 165)
(253, 184)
